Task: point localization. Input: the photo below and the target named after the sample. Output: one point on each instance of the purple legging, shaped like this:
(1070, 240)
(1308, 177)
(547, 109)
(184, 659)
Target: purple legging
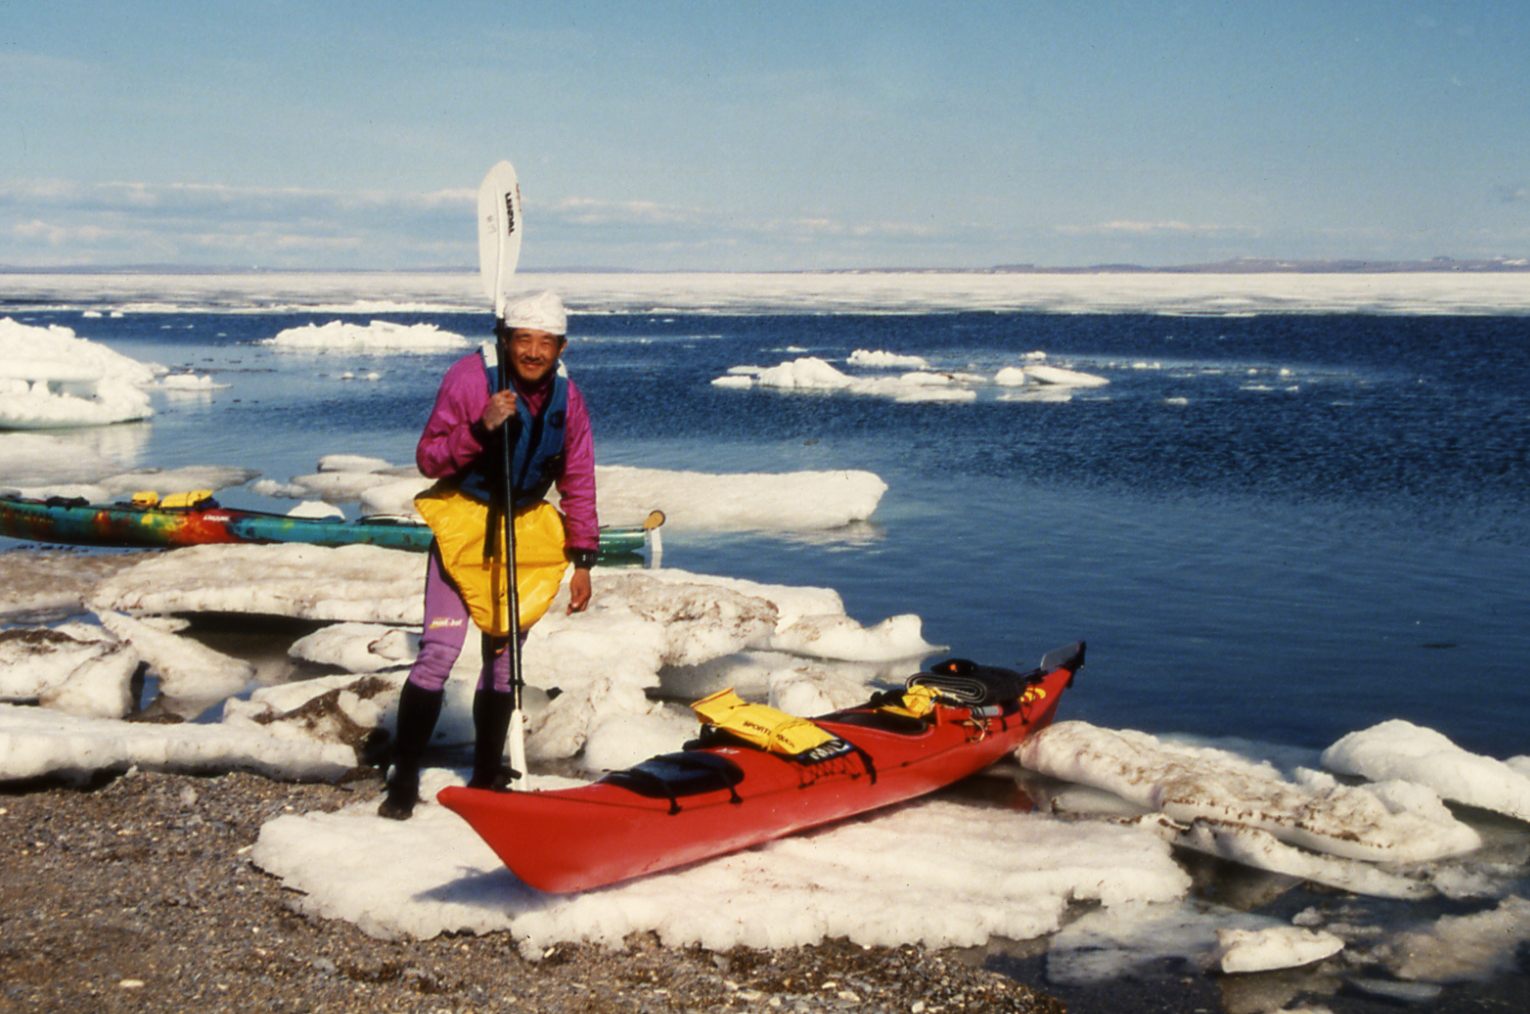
(447, 622)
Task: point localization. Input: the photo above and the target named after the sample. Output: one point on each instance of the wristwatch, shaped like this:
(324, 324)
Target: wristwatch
(583, 559)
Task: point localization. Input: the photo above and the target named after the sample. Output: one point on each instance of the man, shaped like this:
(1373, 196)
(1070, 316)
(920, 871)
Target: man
(460, 447)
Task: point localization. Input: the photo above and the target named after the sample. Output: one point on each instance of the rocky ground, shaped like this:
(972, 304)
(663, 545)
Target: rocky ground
(139, 894)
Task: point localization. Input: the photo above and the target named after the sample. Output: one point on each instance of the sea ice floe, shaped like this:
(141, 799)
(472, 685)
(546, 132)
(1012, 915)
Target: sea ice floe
(1394, 821)
(358, 647)
(37, 742)
(359, 583)
(377, 336)
(1241, 950)
(189, 382)
(36, 463)
(50, 378)
(642, 624)
(34, 659)
(602, 663)
(346, 708)
(767, 674)
(344, 485)
(99, 687)
(883, 359)
(353, 463)
(340, 710)
(1039, 375)
(1401, 750)
(1032, 381)
(809, 373)
(318, 510)
(813, 688)
(1043, 374)
(342, 477)
(1123, 941)
(175, 480)
(710, 501)
(839, 637)
(50, 583)
(73, 471)
(696, 501)
(871, 880)
(1457, 948)
(1254, 847)
(186, 669)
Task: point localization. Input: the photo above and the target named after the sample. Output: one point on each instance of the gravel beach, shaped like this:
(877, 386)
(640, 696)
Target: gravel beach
(138, 894)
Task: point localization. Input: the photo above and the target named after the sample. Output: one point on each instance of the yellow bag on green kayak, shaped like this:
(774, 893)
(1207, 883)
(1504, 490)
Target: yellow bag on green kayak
(459, 523)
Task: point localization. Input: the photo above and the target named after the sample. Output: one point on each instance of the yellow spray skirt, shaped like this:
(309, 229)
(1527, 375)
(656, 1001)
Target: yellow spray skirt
(459, 523)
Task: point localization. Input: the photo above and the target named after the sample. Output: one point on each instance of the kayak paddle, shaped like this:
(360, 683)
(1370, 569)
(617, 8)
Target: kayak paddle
(499, 249)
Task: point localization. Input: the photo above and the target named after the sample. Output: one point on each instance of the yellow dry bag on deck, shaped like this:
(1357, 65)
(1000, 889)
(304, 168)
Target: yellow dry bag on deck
(459, 523)
(760, 724)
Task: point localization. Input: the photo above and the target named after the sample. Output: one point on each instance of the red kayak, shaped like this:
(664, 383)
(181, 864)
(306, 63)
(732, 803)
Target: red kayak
(721, 794)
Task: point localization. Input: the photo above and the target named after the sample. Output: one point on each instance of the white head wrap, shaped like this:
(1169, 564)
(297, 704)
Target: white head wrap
(540, 311)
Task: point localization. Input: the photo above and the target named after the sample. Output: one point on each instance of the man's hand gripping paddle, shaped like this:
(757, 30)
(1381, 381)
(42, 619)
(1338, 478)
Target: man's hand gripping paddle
(499, 250)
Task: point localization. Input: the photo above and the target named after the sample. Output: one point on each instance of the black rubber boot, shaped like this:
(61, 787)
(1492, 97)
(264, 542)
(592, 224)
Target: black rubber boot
(417, 713)
(491, 721)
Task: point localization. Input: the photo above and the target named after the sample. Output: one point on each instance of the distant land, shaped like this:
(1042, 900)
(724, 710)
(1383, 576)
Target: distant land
(1236, 266)
(1266, 266)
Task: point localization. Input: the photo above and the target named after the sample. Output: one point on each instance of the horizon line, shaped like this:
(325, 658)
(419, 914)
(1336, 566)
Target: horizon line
(1238, 265)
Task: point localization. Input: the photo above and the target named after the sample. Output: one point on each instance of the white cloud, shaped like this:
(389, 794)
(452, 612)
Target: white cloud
(138, 196)
(52, 234)
(53, 221)
(590, 211)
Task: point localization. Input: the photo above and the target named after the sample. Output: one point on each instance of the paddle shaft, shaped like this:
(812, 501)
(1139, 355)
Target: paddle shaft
(499, 237)
(512, 591)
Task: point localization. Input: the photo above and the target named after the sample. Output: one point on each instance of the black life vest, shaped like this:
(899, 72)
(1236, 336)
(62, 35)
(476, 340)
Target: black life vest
(537, 459)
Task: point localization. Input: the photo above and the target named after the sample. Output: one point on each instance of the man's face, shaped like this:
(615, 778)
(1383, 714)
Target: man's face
(534, 354)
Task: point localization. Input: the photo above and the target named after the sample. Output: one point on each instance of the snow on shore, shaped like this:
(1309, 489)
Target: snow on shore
(654, 636)
(1018, 876)
(361, 583)
(602, 663)
(38, 742)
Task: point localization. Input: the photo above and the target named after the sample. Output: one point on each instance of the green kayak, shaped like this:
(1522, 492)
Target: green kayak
(77, 522)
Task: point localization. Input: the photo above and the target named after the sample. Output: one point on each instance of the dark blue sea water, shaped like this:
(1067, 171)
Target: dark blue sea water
(1275, 527)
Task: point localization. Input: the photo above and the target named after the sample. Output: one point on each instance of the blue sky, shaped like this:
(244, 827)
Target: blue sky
(777, 135)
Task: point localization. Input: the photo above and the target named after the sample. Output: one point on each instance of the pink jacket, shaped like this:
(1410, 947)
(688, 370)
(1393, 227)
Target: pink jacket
(450, 443)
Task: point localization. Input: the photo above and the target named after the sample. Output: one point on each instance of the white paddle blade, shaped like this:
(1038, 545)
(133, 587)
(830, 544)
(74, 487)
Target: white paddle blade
(499, 231)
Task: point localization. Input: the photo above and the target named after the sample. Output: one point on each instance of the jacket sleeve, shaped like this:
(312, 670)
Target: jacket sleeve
(576, 485)
(453, 437)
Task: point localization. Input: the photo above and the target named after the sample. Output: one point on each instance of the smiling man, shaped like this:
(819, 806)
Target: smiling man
(460, 448)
